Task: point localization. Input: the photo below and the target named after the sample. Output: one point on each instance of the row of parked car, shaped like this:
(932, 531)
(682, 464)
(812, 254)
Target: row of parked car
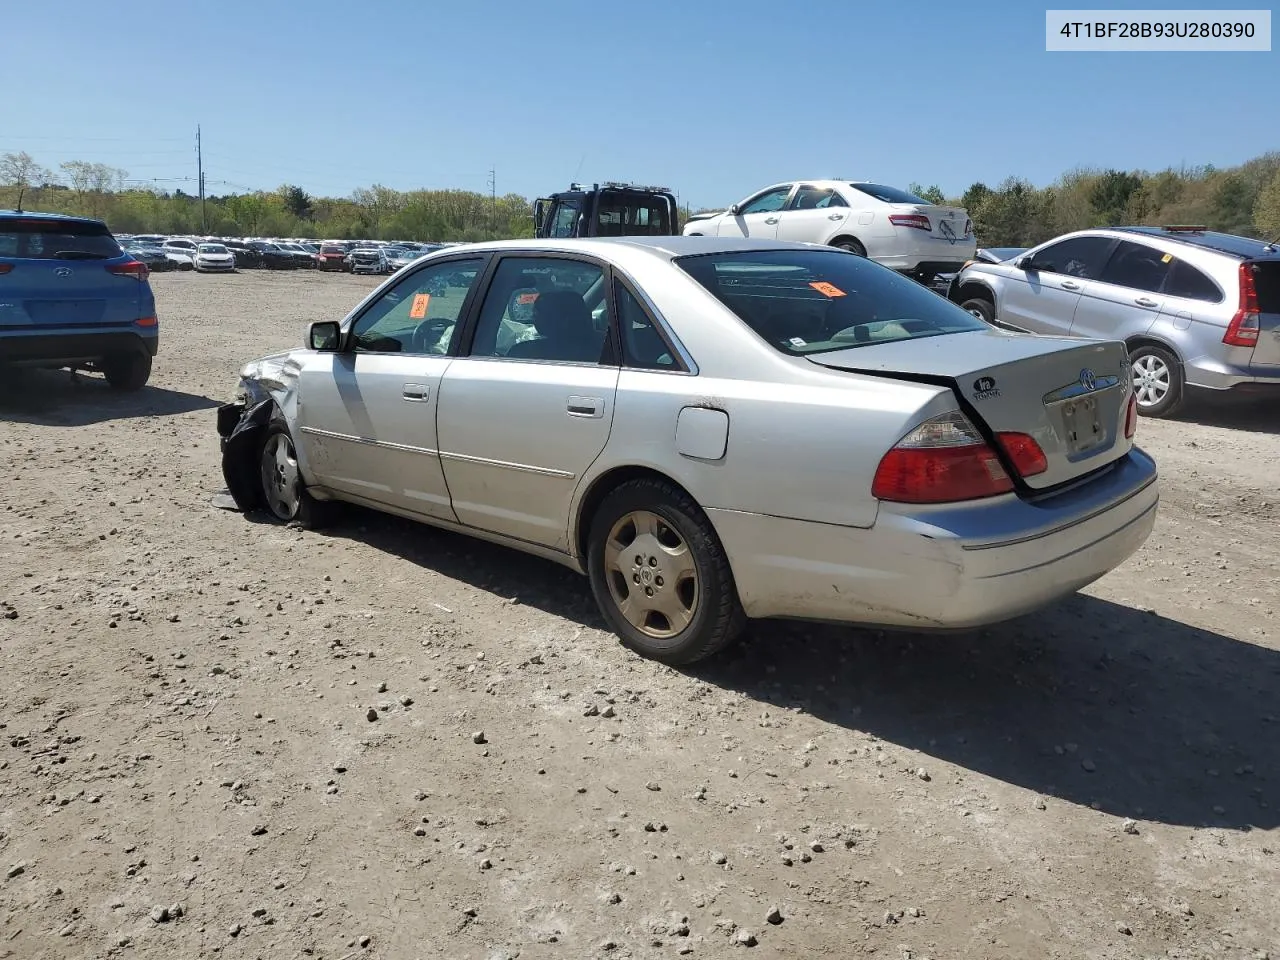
(220, 254)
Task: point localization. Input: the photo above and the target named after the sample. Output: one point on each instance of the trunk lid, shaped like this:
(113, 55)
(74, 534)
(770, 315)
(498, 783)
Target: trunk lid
(945, 223)
(1266, 282)
(1069, 394)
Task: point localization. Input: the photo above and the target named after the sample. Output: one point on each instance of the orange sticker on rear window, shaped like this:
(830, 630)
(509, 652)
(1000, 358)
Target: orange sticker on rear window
(526, 298)
(826, 289)
(420, 304)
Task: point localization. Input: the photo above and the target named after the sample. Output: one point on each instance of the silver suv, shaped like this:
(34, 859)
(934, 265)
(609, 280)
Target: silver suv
(1196, 308)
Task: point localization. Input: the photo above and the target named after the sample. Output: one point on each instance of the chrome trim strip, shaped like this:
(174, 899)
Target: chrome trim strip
(370, 442)
(507, 465)
(1073, 390)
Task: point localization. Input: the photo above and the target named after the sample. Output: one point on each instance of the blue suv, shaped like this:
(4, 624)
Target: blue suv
(71, 297)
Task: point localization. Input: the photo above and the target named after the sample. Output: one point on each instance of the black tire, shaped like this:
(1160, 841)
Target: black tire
(852, 246)
(980, 307)
(288, 501)
(186, 265)
(715, 614)
(1153, 367)
(126, 372)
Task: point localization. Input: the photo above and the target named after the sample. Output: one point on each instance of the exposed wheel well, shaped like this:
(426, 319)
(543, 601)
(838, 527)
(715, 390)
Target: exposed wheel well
(1140, 341)
(974, 291)
(601, 488)
(847, 238)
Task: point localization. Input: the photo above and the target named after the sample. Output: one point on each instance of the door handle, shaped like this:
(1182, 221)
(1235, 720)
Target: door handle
(836, 216)
(771, 220)
(1070, 285)
(416, 392)
(1146, 302)
(591, 407)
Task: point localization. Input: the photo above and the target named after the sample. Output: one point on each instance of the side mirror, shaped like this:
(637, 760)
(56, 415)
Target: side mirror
(324, 335)
(734, 210)
(1025, 263)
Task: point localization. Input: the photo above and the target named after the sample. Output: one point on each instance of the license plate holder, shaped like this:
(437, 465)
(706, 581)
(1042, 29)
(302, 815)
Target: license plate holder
(1082, 425)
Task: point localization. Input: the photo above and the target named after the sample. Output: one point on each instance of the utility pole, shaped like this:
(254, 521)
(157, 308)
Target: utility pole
(493, 201)
(204, 220)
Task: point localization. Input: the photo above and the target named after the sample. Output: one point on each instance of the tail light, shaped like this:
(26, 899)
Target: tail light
(917, 221)
(1131, 417)
(130, 268)
(1025, 454)
(5, 268)
(943, 460)
(147, 322)
(1243, 329)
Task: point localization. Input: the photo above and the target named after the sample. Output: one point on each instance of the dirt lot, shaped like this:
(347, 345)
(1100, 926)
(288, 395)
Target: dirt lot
(185, 694)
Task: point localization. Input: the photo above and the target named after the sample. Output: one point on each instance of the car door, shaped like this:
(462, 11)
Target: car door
(757, 217)
(1042, 294)
(814, 214)
(1125, 299)
(367, 414)
(528, 408)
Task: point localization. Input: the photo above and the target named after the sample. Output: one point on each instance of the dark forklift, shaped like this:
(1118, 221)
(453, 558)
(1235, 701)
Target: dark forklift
(607, 210)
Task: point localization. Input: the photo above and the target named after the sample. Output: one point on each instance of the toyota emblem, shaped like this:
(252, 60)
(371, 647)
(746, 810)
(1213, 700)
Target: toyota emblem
(1087, 379)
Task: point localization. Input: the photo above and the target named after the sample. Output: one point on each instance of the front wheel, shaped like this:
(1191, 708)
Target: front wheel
(127, 372)
(660, 574)
(281, 484)
(1157, 380)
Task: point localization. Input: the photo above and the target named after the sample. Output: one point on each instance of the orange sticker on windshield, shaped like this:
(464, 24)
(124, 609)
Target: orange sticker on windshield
(526, 298)
(419, 308)
(826, 289)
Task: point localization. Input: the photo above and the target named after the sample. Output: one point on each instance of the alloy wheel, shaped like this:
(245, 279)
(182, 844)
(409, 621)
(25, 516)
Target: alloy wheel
(1152, 379)
(651, 574)
(280, 476)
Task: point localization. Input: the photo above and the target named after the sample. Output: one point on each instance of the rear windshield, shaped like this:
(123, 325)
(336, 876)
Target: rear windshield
(814, 301)
(888, 194)
(331, 248)
(40, 239)
(621, 215)
(1266, 281)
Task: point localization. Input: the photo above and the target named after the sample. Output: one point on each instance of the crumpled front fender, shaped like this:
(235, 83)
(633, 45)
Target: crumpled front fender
(240, 449)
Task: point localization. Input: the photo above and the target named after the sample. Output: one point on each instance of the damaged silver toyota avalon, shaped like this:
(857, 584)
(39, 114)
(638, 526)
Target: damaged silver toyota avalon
(711, 430)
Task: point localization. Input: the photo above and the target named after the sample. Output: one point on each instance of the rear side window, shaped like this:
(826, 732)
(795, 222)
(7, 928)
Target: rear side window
(40, 239)
(888, 194)
(815, 301)
(1189, 283)
(1137, 267)
(643, 345)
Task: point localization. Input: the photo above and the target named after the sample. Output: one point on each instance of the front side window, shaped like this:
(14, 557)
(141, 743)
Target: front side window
(418, 314)
(542, 308)
(1137, 267)
(770, 201)
(565, 218)
(814, 301)
(1082, 257)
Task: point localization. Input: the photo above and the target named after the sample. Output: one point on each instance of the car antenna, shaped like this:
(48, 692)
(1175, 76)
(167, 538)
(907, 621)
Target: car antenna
(1270, 247)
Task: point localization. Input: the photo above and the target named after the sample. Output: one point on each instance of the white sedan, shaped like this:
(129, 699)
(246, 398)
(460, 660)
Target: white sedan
(711, 430)
(214, 258)
(894, 228)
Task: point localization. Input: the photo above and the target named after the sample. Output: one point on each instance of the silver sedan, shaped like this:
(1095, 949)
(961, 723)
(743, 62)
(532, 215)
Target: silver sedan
(711, 430)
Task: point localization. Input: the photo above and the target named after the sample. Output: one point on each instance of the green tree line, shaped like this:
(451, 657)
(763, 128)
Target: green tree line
(1243, 199)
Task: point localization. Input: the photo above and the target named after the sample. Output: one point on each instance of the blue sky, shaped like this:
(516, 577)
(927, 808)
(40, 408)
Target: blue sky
(711, 97)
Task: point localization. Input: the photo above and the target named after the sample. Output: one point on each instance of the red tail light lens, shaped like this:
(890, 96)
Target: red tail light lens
(1025, 453)
(5, 268)
(1243, 329)
(130, 268)
(917, 221)
(1131, 417)
(943, 460)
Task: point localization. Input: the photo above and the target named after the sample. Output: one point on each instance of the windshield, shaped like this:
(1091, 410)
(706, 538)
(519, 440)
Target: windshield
(212, 248)
(815, 301)
(888, 194)
(331, 248)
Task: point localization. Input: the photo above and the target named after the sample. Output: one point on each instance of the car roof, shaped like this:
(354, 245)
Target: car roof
(7, 214)
(1228, 243)
(667, 247)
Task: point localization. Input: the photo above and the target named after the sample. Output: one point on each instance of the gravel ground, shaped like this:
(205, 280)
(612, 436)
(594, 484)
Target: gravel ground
(225, 737)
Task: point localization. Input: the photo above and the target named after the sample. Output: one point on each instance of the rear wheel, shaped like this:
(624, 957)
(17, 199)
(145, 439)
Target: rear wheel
(1157, 380)
(981, 308)
(852, 246)
(127, 372)
(660, 574)
(283, 491)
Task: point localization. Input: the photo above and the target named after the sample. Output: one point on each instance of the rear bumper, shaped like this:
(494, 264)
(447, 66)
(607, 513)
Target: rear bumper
(944, 567)
(927, 254)
(1212, 374)
(74, 346)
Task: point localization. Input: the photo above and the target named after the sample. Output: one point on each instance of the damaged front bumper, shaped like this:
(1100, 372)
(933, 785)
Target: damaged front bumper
(240, 426)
